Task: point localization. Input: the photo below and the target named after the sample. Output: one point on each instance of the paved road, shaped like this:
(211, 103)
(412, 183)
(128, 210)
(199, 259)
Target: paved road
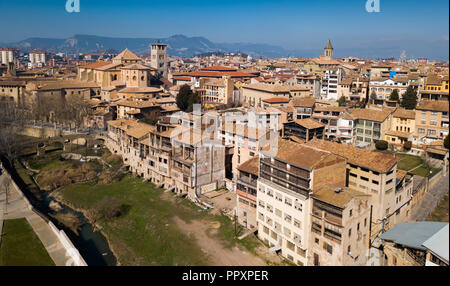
(17, 208)
(430, 200)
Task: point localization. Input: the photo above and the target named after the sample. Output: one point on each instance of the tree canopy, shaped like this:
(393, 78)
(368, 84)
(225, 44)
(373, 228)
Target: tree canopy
(381, 145)
(186, 98)
(409, 99)
(394, 95)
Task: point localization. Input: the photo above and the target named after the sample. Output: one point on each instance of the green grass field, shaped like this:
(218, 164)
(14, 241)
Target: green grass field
(424, 171)
(146, 234)
(21, 247)
(407, 162)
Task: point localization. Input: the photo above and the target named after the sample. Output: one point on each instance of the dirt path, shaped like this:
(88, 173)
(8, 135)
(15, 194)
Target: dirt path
(217, 253)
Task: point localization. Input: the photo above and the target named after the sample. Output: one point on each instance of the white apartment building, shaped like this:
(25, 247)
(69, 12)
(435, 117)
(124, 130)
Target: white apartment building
(7, 55)
(329, 88)
(288, 175)
(38, 57)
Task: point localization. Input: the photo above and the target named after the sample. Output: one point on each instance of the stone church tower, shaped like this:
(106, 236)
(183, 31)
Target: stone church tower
(328, 51)
(159, 58)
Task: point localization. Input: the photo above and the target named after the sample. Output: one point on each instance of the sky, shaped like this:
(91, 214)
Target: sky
(421, 27)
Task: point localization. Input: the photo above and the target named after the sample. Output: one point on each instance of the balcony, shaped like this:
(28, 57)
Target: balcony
(332, 235)
(247, 180)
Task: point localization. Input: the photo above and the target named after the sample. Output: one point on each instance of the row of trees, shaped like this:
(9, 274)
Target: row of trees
(409, 99)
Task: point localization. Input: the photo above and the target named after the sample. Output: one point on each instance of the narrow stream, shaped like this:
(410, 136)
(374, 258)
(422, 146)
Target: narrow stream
(93, 246)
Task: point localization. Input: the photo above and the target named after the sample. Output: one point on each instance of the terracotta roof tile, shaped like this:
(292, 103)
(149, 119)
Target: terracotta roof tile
(340, 199)
(372, 160)
(309, 123)
(250, 166)
(434, 105)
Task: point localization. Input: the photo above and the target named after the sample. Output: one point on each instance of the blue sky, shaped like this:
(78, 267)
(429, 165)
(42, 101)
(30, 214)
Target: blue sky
(418, 25)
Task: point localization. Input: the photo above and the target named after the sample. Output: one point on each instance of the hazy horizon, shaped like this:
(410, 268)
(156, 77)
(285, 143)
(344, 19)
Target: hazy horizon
(418, 27)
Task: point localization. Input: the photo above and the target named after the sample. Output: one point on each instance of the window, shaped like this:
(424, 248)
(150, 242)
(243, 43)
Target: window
(350, 212)
(288, 218)
(357, 227)
(349, 232)
(279, 197)
(329, 248)
(290, 245)
(288, 201)
(297, 223)
(298, 206)
(261, 203)
(365, 221)
(278, 212)
(316, 240)
(277, 226)
(287, 232)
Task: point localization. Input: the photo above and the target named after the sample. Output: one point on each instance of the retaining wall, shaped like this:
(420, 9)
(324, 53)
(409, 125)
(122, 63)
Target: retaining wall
(73, 255)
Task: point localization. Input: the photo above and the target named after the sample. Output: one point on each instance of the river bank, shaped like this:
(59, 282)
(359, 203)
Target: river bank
(93, 246)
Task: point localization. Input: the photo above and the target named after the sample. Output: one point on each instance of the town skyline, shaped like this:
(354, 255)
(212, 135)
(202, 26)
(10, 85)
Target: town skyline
(418, 27)
(201, 146)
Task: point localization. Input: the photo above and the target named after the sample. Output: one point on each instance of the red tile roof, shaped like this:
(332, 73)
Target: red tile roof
(95, 65)
(276, 100)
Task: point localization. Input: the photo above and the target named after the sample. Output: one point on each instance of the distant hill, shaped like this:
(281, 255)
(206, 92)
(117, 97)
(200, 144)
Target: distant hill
(183, 46)
(178, 45)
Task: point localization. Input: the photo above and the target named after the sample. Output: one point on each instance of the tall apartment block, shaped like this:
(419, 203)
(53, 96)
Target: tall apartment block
(288, 175)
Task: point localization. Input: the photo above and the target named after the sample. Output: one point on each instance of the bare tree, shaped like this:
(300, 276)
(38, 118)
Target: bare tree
(92, 216)
(8, 143)
(79, 109)
(6, 186)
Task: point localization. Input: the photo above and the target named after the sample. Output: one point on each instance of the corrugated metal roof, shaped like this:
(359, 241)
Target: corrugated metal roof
(413, 234)
(438, 243)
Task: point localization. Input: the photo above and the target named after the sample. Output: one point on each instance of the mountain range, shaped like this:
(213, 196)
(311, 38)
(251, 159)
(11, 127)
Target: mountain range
(183, 46)
(178, 45)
